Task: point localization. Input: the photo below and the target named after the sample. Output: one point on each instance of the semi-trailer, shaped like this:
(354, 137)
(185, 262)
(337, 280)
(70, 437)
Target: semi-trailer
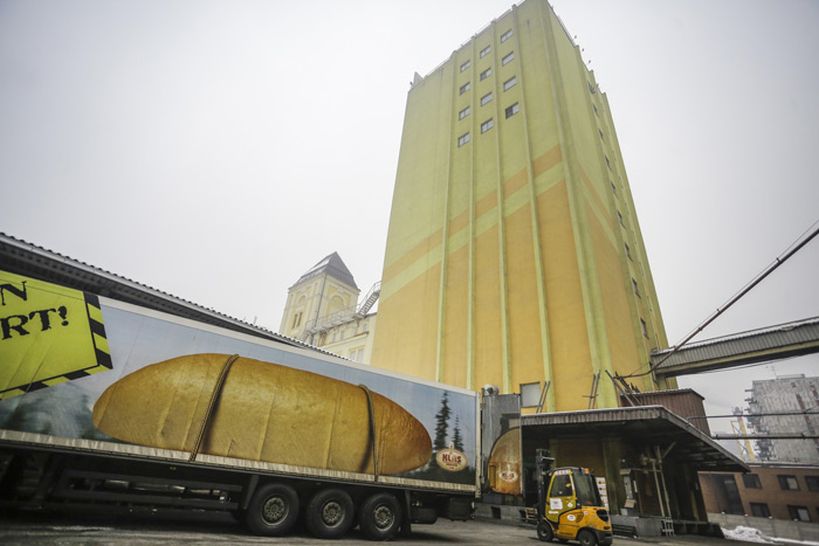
(107, 402)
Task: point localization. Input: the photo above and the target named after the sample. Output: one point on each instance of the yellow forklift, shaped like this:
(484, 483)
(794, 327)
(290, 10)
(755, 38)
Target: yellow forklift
(569, 505)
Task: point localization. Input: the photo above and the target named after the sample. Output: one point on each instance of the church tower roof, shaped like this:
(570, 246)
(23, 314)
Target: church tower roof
(333, 266)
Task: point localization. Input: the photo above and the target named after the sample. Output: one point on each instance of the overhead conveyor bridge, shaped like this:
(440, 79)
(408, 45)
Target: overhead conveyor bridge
(786, 340)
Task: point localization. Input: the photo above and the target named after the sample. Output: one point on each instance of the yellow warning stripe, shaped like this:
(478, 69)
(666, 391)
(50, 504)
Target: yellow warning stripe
(101, 343)
(11, 392)
(55, 380)
(94, 313)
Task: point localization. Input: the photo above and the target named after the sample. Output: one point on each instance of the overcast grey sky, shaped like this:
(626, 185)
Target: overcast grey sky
(217, 150)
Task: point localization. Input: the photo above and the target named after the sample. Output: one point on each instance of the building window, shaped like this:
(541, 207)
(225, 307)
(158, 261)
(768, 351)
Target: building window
(600, 132)
(486, 125)
(506, 35)
(596, 113)
(463, 113)
(357, 354)
(508, 58)
(813, 483)
(512, 110)
(751, 481)
(620, 218)
(644, 328)
(510, 83)
(799, 513)
(465, 87)
(463, 139)
(465, 65)
(486, 99)
(608, 163)
(788, 483)
(485, 51)
(628, 251)
(635, 287)
(529, 394)
(613, 187)
(760, 510)
(486, 73)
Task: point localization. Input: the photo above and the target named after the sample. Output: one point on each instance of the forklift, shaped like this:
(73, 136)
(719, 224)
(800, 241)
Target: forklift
(569, 505)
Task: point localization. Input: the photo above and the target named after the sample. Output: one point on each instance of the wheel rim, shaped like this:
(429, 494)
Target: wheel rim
(383, 517)
(274, 510)
(332, 513)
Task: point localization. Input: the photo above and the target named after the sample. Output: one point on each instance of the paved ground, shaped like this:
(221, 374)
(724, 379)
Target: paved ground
(49, 528)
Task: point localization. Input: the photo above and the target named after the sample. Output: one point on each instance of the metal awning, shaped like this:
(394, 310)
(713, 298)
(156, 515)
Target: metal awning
(648, 425)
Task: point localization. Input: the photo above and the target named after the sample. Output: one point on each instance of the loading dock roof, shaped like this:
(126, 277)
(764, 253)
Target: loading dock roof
(651, 425)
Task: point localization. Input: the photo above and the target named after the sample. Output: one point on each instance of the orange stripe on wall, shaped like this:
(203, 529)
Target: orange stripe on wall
(415, 253)
(541, 164)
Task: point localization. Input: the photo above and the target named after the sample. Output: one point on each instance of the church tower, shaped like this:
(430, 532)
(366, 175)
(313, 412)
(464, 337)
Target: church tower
(327, 291)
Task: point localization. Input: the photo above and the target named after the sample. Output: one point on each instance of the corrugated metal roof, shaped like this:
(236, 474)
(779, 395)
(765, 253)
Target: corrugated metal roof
(641, 424)
(26, 258)
(779, 341)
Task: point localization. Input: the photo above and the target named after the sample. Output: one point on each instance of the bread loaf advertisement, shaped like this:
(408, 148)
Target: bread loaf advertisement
(504, 467)
(266, 412)
(177, 384)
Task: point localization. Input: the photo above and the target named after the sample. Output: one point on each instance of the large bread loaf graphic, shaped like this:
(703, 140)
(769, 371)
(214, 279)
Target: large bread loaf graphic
(504, 464)
(264, 412)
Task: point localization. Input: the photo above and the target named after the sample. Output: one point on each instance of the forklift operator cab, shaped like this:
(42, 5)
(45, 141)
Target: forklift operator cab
(570, 507)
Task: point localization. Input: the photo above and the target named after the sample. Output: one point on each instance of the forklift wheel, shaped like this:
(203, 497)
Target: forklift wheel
(545, 532)
(586, 538)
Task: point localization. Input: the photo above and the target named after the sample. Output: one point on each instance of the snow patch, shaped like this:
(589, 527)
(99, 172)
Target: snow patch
(747, 534)
(750, 534)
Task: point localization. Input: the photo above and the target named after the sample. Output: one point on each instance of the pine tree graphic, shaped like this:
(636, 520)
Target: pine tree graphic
(457, 439)
(442, 424)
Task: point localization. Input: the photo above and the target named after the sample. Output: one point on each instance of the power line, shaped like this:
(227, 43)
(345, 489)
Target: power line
(812, 411)
(792, 249)
(769, 436)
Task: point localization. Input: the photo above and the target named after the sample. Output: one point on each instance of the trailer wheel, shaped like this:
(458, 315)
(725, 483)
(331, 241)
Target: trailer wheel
(380, 517)
(273, 510)
(545, 532)
(586, 538)
(330, 514)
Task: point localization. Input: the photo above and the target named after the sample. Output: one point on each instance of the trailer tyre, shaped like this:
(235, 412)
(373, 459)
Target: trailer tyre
(545, 532)
(330, 514)
(380, 517)
(273, 510)
(586, 538)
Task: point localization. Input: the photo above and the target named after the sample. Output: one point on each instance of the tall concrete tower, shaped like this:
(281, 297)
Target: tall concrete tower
(514, 256)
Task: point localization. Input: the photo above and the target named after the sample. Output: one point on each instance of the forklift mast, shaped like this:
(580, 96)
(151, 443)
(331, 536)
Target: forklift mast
(544, 463)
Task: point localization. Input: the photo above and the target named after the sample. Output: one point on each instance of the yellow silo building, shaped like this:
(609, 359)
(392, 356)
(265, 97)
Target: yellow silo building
(514, 256)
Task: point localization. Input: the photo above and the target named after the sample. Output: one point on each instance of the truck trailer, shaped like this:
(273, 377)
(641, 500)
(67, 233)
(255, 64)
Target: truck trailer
(106, 402)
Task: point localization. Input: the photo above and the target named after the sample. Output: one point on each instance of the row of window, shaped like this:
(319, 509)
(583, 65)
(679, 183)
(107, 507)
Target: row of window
(507, 85)
(485, 51)
(487, 98)
(486, 125)
(620, 218)
(798, 513)
(787, 482)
